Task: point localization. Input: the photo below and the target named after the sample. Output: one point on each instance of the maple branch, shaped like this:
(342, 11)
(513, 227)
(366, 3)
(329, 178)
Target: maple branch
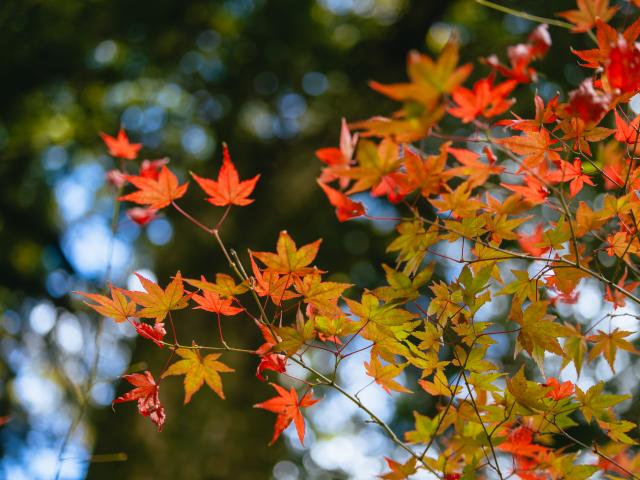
(375, 419)
(186, 215)
(203, 347)
(525, 15)
(593, 449)
(523, 256)
(484, 428)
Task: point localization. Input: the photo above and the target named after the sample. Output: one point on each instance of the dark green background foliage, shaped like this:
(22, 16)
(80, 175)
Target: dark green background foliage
(233, 70)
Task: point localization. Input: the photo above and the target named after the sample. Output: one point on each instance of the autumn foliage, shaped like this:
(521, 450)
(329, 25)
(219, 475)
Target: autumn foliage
(526, 210)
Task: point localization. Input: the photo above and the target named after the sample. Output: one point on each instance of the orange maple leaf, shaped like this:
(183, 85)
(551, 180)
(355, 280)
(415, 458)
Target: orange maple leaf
(588, 11)
(212, 302)
(287, 406)
(119, 146)
(116, 307)
(534, 146)
(157, 302)
(158, 193)
(533, 191)
(228, 189)
(289, 260)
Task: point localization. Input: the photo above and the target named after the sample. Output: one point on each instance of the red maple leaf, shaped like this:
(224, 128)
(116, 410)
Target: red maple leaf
(155, 193)
(154, 333)
(287, 406)
(152, 168)
(119, 146)
(338, 158)
(627, 132)
(521, 55)
(559, 390)
(570, 173)
(146, 393)
(141, 216)
(228, 189)
(269, 360)
(544, 114)
(532, 244)
(484, 99)
(587, 103)
(345, 207)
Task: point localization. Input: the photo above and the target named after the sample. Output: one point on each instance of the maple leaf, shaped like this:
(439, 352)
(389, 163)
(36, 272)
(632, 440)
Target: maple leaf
(521, 55)
(271, 361)
(534, 146)
(477, 172)
(595, 403)
(400, 471)
(615, 296)
(538, 332)
(439, 386)
(621, 244)
(141, 216)
(146, 393)
(588, 11)
(212, 302)
(378, 170)
(608, 344)
(338, 158)
(268, 360)
(288, 259)
(323, 296)
(617, 431)
(197, 371)
(156, 302)
(570, 173)
(152, 168)
(287, 406)
(269, 283)
(345, 207)
(458, 202)
(228, 189)
(154, 333)
(587, 103)
(544, 114)
(575, 347)
(558, 390)
(519, 442)
(225, 285)
(155, 193)
(533, 191)
(116, 307)
(533, 243)
(483, 100)
(627, 133)
(429, 80)
(384, 375)
(119, 145)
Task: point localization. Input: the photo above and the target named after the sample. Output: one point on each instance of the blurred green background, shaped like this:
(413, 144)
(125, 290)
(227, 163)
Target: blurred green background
(272, 79)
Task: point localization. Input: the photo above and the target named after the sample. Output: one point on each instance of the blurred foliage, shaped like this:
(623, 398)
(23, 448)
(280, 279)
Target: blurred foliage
(272, 79)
